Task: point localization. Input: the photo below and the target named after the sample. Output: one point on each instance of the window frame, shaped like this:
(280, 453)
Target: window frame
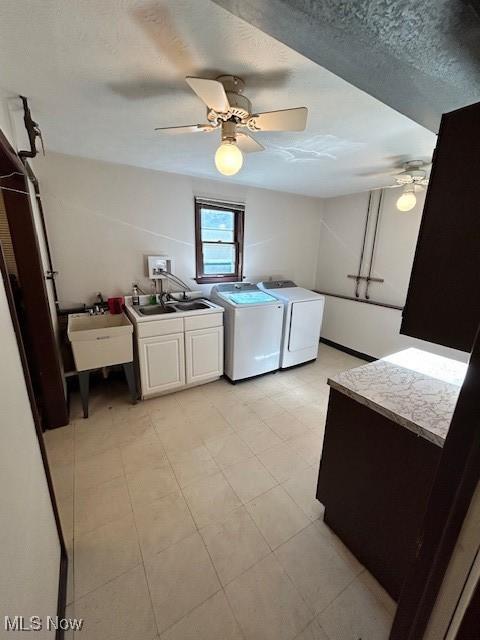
(238, 232)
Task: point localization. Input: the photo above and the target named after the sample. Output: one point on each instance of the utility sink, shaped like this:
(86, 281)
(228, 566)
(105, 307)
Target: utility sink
(100, 340)
(190, 306)
(155, 309)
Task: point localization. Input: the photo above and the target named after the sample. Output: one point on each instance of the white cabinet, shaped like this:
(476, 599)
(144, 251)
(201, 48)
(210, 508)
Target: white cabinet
(204, 354)
(162, 363)
(179, 352)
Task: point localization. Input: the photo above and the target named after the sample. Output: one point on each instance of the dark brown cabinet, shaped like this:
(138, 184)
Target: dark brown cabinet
(443, 301)
(375, 479)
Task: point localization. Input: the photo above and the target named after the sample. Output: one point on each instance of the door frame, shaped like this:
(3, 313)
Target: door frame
(456, 480)
(63, 569)
(44, 357)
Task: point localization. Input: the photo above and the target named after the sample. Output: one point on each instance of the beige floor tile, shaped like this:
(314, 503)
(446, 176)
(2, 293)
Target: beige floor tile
(148, 485)
(250, 390)
(311, 414)
(143, 453)
(163, 523)
(168, 418)
(236, 411)
(60, 448)
(182, 437)
(249, 479)
(286, 426)
(197, 405)
(105, 553)
(313, 632)
(70, 573)
(177, 424)
(338, 545)
(302, 487)
(92, 438)
(290, 400)
(211, 424)
(277, 516)
(308, 445)
(259, 437)
(282, 461)
(62, 478)
(266, 408)
(119, 610)
(192, 465)
(66, 512)
(234, 545)
(315, 567)
(161, 405)
(228, 450)
(210, 499)
(123, 409)
(212, 620)
(97, 469)
(356, 613)
(266, 603)
(99, 505)
(180, 578)
(248, 423)
(129, 429)
(378, 591)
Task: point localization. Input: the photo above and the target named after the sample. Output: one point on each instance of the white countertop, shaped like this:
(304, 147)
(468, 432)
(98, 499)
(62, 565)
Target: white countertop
(138, 317)
(413, 388)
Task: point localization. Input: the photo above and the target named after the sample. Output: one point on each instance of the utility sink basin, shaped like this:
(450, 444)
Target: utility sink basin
(100, 340)
(190, 306)
(155, 309)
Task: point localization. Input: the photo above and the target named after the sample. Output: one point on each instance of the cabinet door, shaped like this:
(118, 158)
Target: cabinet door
(204, 354)
(162, 363)
(443, 301)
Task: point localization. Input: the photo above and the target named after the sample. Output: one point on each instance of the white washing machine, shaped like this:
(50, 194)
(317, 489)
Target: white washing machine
(253, 324)
(303, 314)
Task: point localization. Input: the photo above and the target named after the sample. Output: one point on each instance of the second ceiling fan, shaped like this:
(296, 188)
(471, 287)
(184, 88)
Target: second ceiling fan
(231, 112)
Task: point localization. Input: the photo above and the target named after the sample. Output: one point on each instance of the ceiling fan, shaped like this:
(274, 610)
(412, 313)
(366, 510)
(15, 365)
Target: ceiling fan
(414, 177)
(231, 112)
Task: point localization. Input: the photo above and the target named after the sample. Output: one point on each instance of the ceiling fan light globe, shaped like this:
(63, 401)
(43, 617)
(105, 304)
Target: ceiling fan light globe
(406, 201)
(228, 159)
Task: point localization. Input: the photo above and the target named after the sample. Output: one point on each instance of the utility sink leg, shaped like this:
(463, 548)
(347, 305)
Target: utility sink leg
(84, 380)
(130, 376)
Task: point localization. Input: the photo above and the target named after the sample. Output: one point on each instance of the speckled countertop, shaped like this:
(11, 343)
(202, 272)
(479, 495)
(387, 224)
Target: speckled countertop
(413, 388)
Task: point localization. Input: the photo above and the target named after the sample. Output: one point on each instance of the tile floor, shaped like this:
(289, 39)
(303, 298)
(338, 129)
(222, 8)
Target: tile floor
(193, 516)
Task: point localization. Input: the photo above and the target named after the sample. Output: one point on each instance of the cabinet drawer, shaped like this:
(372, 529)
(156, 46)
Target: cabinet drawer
(159, 327)
(203, 321)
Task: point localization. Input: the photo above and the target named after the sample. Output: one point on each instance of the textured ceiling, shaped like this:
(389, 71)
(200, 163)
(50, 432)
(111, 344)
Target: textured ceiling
(421, 57)
(101, 74)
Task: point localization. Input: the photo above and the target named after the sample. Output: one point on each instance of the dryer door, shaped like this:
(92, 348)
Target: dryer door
(305, 324)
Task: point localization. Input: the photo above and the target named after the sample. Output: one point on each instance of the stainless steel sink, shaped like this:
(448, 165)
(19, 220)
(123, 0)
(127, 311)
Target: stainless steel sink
(190, 306)
(155, 309)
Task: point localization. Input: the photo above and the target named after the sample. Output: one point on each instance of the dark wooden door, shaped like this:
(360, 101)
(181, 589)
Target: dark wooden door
(443, 301)
(43, 354)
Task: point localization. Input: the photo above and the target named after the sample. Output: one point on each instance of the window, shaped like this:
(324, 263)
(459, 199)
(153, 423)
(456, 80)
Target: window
(218, 241)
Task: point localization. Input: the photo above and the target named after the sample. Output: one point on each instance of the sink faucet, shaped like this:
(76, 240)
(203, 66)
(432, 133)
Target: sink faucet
(164, 298)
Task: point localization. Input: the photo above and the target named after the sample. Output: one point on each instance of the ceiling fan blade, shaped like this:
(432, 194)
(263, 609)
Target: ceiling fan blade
(284, 120)
(247, 144)
(191, 128)
(211, 92)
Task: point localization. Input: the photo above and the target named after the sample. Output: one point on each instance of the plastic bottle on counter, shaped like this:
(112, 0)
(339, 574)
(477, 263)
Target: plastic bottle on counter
(135, 296)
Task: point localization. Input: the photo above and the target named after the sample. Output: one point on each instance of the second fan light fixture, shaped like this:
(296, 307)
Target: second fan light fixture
(231, 112)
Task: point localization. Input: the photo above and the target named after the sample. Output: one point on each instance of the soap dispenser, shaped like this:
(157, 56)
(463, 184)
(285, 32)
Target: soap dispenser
(135, 296)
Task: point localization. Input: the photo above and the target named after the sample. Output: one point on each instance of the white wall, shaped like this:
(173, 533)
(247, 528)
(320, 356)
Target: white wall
(103, 218)
(366, 328)
(29, 545)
